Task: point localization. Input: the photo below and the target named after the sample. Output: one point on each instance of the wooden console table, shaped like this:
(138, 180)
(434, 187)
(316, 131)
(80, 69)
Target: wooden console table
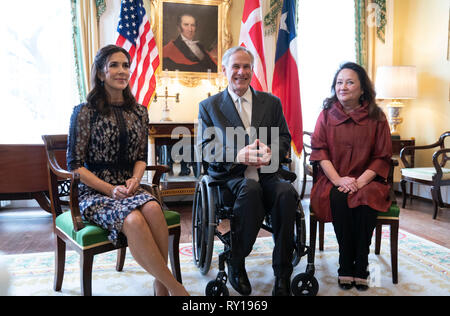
(397, 145)
(23, 173)
(161, 134)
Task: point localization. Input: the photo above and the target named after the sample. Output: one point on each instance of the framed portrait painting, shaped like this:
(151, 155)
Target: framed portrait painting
(191, 36)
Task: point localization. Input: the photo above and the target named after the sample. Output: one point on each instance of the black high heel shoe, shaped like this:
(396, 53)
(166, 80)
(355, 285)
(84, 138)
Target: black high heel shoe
(345, 284)
(361, 285)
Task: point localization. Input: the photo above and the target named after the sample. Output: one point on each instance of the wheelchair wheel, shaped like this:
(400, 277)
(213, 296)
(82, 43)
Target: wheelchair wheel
(210, 220)
(216, 288)
(299, 236)
(305, 284)
(202, 227)
(198, 226)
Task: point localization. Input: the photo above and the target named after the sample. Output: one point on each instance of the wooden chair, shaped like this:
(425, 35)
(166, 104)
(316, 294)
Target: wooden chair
(436, 176)
(390, 218)
(84, 237)
(307, 168)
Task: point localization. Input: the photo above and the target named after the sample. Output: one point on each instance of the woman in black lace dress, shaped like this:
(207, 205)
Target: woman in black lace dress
(108, 142)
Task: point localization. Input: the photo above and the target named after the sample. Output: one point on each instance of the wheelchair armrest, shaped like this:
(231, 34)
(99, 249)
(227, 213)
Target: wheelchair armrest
(287, 175)
(217, 183)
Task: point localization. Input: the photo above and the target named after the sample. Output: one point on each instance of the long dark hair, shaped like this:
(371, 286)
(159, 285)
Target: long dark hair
(98, 96)
(368, 95)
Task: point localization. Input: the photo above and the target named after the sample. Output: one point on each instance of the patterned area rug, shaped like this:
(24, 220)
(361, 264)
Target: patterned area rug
(423, 270)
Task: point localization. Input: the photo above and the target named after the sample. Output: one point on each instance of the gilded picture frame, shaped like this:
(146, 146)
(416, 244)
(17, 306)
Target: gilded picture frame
(211, 35)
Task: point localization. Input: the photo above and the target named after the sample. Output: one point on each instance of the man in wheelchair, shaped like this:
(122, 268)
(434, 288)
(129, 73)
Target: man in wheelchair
(247, 156)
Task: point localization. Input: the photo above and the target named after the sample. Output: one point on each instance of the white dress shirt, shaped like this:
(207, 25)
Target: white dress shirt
(244, 108)
(193, 47)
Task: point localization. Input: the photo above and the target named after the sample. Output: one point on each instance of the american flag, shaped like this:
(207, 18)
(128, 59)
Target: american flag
(136, 36)
(251, 36)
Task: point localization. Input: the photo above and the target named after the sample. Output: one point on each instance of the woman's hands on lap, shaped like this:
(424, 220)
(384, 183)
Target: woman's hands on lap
(119, 192)
(347, 185)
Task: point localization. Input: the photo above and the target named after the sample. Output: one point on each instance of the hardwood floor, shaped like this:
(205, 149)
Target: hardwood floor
(29, 230)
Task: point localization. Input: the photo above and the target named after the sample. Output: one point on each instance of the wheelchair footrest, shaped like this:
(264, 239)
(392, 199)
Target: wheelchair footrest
(225, 212)
(225, 238)
(223, 257)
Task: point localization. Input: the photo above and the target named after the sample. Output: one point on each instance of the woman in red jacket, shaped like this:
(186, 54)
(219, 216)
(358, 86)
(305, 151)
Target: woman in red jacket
(352, 144)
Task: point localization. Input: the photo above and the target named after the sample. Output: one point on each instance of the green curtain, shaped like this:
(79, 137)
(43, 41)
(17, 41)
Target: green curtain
(101, 7)
(381, 19)
(78, 54)
(361, 32)
(361, 26)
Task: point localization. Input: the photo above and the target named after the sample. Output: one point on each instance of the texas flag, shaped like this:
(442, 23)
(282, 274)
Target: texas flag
(285, 83)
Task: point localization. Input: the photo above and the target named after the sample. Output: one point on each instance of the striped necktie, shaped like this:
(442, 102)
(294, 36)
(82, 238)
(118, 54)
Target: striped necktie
(242, 113)
(251, 172)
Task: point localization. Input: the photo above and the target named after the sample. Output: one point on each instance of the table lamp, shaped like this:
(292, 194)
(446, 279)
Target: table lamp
(396, 83)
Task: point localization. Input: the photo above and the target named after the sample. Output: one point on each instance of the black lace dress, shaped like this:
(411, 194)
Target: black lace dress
(108, 145)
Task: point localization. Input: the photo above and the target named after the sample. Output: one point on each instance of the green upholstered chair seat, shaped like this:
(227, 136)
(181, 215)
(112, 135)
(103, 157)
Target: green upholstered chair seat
(172, 218)
(425, 173)
(392, 213)
(92, 235)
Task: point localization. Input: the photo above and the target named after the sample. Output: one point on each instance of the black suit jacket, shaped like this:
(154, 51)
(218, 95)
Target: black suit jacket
(219, 112)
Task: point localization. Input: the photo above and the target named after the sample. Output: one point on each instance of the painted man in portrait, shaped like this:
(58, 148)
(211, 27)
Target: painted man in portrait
(184, 53)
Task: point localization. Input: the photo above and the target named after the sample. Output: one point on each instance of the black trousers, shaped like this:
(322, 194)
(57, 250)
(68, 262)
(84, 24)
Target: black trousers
(253, 199)
(354, 229)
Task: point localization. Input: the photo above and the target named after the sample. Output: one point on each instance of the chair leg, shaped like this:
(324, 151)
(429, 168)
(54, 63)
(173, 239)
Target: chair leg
(321, 235)
(437, 200)
(378, 231)
(121, 253)
(86, 261)
(394, 250)
(60, 261)
(410, 192)
(302, 194)
(174, 252)
(312, 234)
(403, 185)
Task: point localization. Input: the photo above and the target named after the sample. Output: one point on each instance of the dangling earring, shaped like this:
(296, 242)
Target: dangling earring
(102, 83)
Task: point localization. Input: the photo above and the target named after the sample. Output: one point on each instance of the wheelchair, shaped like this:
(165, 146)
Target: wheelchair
(213, 203)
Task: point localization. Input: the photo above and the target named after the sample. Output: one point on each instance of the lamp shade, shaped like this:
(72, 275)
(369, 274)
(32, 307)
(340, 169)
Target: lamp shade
(396, 82)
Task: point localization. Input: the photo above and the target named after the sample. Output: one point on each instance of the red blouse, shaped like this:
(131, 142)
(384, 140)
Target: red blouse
(353, 143)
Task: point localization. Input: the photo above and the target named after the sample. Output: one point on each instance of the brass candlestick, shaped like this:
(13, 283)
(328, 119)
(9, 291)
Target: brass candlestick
(166, 110)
